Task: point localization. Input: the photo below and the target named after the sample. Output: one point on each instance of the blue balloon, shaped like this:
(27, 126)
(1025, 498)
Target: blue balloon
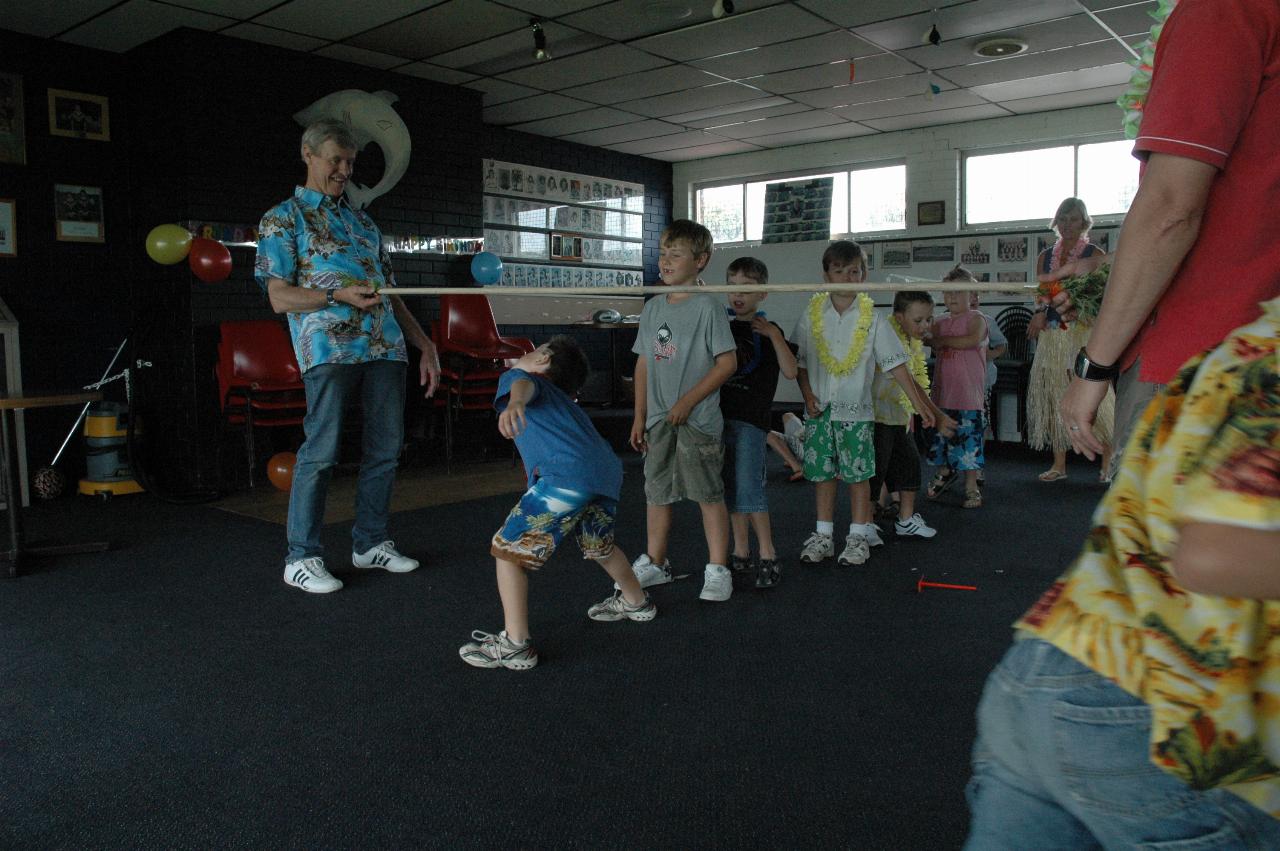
(486, 268)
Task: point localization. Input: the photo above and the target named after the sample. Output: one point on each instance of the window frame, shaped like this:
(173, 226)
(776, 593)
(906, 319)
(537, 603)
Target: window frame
(798, 174)
(1039, 223)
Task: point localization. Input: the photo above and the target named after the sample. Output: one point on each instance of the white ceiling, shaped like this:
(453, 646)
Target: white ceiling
(663, 78)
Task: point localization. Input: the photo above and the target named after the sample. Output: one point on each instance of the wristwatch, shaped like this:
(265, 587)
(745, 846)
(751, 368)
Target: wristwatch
(329, 299)
(1090, 371)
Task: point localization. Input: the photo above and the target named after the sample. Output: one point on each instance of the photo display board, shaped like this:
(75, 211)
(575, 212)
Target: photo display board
(569, 222)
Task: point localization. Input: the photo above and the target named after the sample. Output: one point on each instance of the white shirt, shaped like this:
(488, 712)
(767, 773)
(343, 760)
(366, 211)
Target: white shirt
(848, 396)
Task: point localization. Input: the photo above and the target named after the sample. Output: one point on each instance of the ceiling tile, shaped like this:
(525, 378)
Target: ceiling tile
(703, 151)
(707, 96)
(360, 56)
(725, 113)
(1130, 20)
(764, 26)
(965, 21)
(243, 9)
(1068, 100)
(942, 116)
(274, 37)
(626, 20)
(687, 139)
(802, 52)
(427, 71)
(1037, 64)
(843, 130)
(848, 14)
(500, 91)
(908, 105)
(712, 121)
(875, 90)
(1051, 84)
(781, 124)
(137, 22)
(515, 49)
(624, 133)
(531, 109)
(645, 84)
(442, 28)
(615, 60)
(1064, 32)
(333, 19)
(550, 8)
(578, 122)
(48, 19)
(833, 74)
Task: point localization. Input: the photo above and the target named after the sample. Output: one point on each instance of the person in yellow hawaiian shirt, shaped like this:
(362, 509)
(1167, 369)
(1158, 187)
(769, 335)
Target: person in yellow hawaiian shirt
(1141, 703)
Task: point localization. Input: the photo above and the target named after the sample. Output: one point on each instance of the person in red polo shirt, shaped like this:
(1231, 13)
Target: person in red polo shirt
(1200, 246)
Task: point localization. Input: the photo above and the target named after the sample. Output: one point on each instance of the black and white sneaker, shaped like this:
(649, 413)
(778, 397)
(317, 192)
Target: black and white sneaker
(384, 555)
(310, 575)
(914, 527)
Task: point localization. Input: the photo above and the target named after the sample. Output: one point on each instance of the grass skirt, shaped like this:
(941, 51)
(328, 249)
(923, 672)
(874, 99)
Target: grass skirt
(1050, 375)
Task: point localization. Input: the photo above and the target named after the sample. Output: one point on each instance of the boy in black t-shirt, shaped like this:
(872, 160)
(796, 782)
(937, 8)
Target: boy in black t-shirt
(746, 400)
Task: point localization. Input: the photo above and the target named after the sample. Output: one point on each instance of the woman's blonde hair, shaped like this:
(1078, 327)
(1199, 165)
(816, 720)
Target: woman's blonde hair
(1067, 206)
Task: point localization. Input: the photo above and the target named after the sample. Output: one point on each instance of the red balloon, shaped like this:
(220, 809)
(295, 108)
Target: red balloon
(280, 470)
(210, 260)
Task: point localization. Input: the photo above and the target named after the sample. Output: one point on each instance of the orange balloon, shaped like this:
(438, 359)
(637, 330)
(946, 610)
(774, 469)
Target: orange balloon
(280, 470)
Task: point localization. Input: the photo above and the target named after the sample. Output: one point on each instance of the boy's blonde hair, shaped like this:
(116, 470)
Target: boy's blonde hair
(687, 230)
(841, 253)
(751, 267)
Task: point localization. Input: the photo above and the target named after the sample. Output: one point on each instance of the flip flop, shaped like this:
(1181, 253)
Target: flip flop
(940, 482)
(1052, 476)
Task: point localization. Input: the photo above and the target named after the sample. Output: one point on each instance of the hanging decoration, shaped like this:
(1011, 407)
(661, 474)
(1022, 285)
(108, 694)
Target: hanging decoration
(1135, 97)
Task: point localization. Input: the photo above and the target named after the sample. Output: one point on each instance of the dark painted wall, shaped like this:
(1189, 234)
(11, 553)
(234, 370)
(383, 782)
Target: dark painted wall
(201, 129)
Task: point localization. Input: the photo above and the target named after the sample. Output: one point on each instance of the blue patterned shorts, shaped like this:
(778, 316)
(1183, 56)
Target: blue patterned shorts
(545, 515)
(963, 451)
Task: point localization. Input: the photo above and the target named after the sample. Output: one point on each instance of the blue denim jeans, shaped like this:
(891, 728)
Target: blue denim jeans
(744, 467)
(1061, 762)
(380, 386)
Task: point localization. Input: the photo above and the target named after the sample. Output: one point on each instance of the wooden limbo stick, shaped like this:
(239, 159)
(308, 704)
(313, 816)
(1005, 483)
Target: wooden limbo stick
(1028, 289)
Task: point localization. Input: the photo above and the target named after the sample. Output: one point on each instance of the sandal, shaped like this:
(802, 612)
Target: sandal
(973, 499)
(940, 482)
(1052, 476)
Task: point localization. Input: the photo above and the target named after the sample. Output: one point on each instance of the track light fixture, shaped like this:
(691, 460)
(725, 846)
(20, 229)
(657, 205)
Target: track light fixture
(721, 8)
(935, 37)
(540, 51)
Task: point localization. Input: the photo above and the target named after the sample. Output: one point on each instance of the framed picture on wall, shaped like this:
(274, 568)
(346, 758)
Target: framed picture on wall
(78, 213)
(8, 228)
(13, 137)
(931, 213)
(79, 115)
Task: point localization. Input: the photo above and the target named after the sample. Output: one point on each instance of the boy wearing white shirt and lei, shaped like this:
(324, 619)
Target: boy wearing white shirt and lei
(841, 342)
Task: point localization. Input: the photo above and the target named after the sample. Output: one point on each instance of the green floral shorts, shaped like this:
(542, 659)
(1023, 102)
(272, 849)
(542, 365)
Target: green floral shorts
(838, 450)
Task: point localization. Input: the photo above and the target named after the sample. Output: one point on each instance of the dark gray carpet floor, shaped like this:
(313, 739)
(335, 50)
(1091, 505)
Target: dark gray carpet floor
(174, 693)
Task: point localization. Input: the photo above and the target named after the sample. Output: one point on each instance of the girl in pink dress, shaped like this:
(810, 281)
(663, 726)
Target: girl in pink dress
(959, 342)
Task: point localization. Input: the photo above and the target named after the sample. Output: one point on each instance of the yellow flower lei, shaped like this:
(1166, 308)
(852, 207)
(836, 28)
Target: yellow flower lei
(866, 313)
(915, 362)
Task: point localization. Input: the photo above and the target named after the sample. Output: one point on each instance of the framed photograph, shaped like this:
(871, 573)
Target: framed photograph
(13, 137)
(895, 255)
(931, 213)
(79, 115)
(941, 252)
(8, 225)
(78, 213)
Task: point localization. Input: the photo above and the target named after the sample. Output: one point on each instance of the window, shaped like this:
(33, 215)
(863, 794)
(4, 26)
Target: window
(862, 201)
(1020, 186)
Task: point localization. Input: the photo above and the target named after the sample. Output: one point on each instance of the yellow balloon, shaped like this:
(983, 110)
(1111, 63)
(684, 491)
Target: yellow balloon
(168, 244)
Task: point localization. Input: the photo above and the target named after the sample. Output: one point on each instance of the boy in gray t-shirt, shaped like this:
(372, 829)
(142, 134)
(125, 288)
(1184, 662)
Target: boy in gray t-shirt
(685, 352)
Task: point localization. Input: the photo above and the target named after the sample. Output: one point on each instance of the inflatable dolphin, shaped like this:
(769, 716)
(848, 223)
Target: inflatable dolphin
(371, 119)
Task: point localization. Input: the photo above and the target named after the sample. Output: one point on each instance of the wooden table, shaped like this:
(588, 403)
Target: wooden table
(12, 492)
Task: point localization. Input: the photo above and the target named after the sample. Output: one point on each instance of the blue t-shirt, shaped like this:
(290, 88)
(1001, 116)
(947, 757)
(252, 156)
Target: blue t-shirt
(559, 443)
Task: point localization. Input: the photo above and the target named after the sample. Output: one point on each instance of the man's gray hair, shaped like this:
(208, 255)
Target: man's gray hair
(324, 130)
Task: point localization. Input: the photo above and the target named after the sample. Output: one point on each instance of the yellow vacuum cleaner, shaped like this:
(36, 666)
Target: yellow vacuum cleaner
(106, 432)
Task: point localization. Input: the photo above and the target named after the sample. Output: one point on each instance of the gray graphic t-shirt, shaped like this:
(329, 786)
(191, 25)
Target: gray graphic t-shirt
(679, 343)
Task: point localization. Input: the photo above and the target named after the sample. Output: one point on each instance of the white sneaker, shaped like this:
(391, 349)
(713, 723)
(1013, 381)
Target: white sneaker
(718, 584)
(649, 574)
(871, 532)
(384, 555)
(817, 548)
(310, 575)
(914, 526)
(856, 551)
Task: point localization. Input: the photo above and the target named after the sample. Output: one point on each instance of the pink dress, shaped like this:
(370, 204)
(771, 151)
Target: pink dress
(960, 378)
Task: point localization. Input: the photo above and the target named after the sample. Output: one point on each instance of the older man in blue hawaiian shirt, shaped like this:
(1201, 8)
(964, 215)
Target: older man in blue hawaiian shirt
(323, 263)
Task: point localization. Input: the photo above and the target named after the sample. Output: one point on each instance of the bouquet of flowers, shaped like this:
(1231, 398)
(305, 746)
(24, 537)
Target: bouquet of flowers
(1085, 292)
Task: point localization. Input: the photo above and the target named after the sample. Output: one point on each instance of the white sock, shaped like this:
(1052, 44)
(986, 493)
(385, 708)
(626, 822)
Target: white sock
(826, 527)
(862, 529)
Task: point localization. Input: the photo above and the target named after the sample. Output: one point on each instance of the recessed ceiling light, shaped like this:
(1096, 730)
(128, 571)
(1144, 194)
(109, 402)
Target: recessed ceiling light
(994, 48)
